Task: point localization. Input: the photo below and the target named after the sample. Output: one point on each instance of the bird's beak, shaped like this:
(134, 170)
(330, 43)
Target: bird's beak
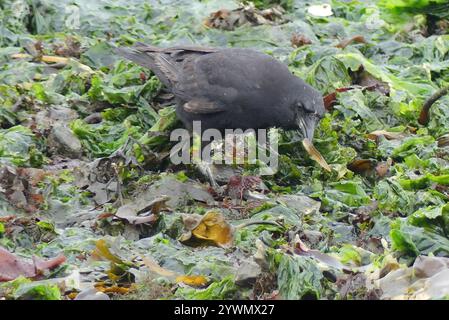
(307, 127)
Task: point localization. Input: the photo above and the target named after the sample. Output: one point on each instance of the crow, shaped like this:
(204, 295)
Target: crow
(231, 88)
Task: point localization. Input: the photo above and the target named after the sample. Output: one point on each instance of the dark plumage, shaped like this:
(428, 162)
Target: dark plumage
(230, 88)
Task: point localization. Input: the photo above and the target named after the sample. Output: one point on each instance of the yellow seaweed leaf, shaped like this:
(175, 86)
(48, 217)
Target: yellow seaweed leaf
(215, 228)
(101, 250)
(156, 268)
(315, 154)
(193, 281)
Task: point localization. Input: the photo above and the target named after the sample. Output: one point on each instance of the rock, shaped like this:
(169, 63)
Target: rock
(103, 192)
(302, 204)
(313, 236)
(92, 294)
(56, 114)
(222, 173)
(343, 233)
(62, 141)
(247, 273)
(180, 193)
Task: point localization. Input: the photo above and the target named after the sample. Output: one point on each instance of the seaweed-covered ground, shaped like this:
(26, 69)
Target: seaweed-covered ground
(92, 208)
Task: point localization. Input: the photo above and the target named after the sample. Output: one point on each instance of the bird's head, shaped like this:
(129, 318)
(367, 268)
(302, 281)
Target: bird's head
(310, 109)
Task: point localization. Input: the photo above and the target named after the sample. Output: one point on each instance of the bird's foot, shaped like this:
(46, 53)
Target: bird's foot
(206, 171)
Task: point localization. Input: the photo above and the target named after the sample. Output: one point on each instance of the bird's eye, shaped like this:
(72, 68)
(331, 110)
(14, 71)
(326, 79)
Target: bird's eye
(313, 114)
(310, 112)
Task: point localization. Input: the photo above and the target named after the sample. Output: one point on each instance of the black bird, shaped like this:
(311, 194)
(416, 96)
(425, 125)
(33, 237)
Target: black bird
(232, 88)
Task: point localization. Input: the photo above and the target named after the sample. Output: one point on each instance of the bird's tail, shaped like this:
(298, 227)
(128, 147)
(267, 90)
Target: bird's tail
(154, 60)
(164, 62)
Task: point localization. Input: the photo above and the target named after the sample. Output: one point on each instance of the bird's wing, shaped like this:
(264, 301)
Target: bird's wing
(196, 93)
(161, 66)
(203, 106)
(225, 79)
(166, 63)
(177, 49)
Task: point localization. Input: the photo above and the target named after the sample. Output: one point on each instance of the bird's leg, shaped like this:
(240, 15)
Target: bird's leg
(267, 154)
(205, 169)
(203, 166)
(119, 201)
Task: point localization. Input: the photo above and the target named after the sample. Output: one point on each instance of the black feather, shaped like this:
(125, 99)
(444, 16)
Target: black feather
(230, 88)
(147, 60)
